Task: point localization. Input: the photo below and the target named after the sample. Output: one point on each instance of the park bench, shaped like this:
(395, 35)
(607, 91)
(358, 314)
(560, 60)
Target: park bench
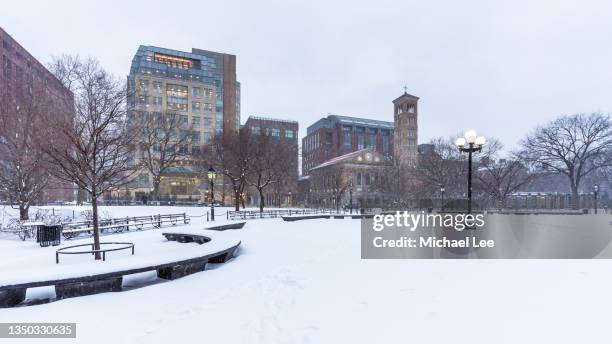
(111, 281)
(236, 225)
(117, 225)
(307, 217)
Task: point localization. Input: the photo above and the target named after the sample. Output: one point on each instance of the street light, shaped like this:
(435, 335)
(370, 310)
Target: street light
(470, 143)
(212, 175)
(351, 195)
(595, 191)
(442, 190)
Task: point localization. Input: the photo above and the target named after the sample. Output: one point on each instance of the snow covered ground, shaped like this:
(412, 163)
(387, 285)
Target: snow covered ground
(304, 282)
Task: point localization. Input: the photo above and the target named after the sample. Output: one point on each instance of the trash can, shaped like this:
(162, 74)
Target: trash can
(48, 235)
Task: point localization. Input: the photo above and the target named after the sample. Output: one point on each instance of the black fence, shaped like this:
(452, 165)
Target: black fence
(273, 213)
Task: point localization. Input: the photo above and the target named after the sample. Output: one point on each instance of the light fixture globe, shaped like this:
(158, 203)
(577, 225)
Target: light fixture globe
(460, 142)
(212, 174)
(480, 141)
(470, 136)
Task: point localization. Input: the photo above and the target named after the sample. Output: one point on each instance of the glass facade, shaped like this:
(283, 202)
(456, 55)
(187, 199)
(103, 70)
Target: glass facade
(190, 85)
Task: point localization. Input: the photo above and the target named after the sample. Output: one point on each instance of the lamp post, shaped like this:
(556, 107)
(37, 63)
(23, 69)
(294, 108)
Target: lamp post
(442, 190)
(351, 195)
(212, 175)
(595, 191)
(470, 143)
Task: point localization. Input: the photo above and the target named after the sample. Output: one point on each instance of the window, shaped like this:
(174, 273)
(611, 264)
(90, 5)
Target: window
(256, 130)
(207, 137)
(207, 122)
(157, 101)
(144, 85)
(275, 134)
(358, 178)
(372, 142)
(157, 86)
(385, 143)
(195, 137)
(195, 120)
(196, 91)
(176, 97)
(173, 61)
(196, 106)
(347, 139)
(360, 141)
(183, 121)
(289, 134)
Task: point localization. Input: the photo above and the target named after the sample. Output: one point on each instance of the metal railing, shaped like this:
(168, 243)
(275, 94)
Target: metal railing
(273, 213)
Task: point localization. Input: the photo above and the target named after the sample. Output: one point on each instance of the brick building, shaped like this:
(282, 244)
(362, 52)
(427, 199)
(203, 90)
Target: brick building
(405, 120)
(21, 75)
(334, 136)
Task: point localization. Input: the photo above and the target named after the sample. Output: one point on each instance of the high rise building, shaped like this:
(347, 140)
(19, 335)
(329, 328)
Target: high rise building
(334, 136)
(406, 130)
(199, 87)
(25, 79)
(199, 84)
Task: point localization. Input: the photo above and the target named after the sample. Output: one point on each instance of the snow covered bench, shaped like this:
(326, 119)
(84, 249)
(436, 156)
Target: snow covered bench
(236, 225)
(305, 217)
(87, 278)
(116, 225)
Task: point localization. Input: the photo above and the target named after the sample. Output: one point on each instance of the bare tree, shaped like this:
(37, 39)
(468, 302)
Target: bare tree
(497, 178)
(163, 143)
(23, 175)
(93, 148)
(574, 146)
(229, 154)
(266, 163)
(442, 165)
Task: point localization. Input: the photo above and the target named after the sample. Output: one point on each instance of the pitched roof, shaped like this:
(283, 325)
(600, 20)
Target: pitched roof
(345, 157)
(405, 95)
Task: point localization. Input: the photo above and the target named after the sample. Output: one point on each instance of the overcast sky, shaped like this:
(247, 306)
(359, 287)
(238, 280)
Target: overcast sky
(500, 67)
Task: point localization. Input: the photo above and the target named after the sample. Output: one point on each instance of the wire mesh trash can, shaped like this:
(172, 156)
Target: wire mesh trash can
(48, 235)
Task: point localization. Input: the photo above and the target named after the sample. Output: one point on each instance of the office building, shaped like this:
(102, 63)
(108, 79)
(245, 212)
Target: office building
(199, 87)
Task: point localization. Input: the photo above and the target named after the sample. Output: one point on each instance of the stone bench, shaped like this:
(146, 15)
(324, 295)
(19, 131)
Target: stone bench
(13, 294)
(237, 225)
(298, 218)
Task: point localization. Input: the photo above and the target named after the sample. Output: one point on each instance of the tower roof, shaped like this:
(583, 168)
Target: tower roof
(405, 96)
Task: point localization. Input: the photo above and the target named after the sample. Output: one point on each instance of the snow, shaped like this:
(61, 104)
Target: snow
(27, 262)
(304, 282)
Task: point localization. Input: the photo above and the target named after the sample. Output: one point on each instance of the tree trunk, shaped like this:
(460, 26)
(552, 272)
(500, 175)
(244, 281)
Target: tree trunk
(155, 193)
(23, 212)
(236, 199)
(96, 236)
(261, 200)
(575, 198)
